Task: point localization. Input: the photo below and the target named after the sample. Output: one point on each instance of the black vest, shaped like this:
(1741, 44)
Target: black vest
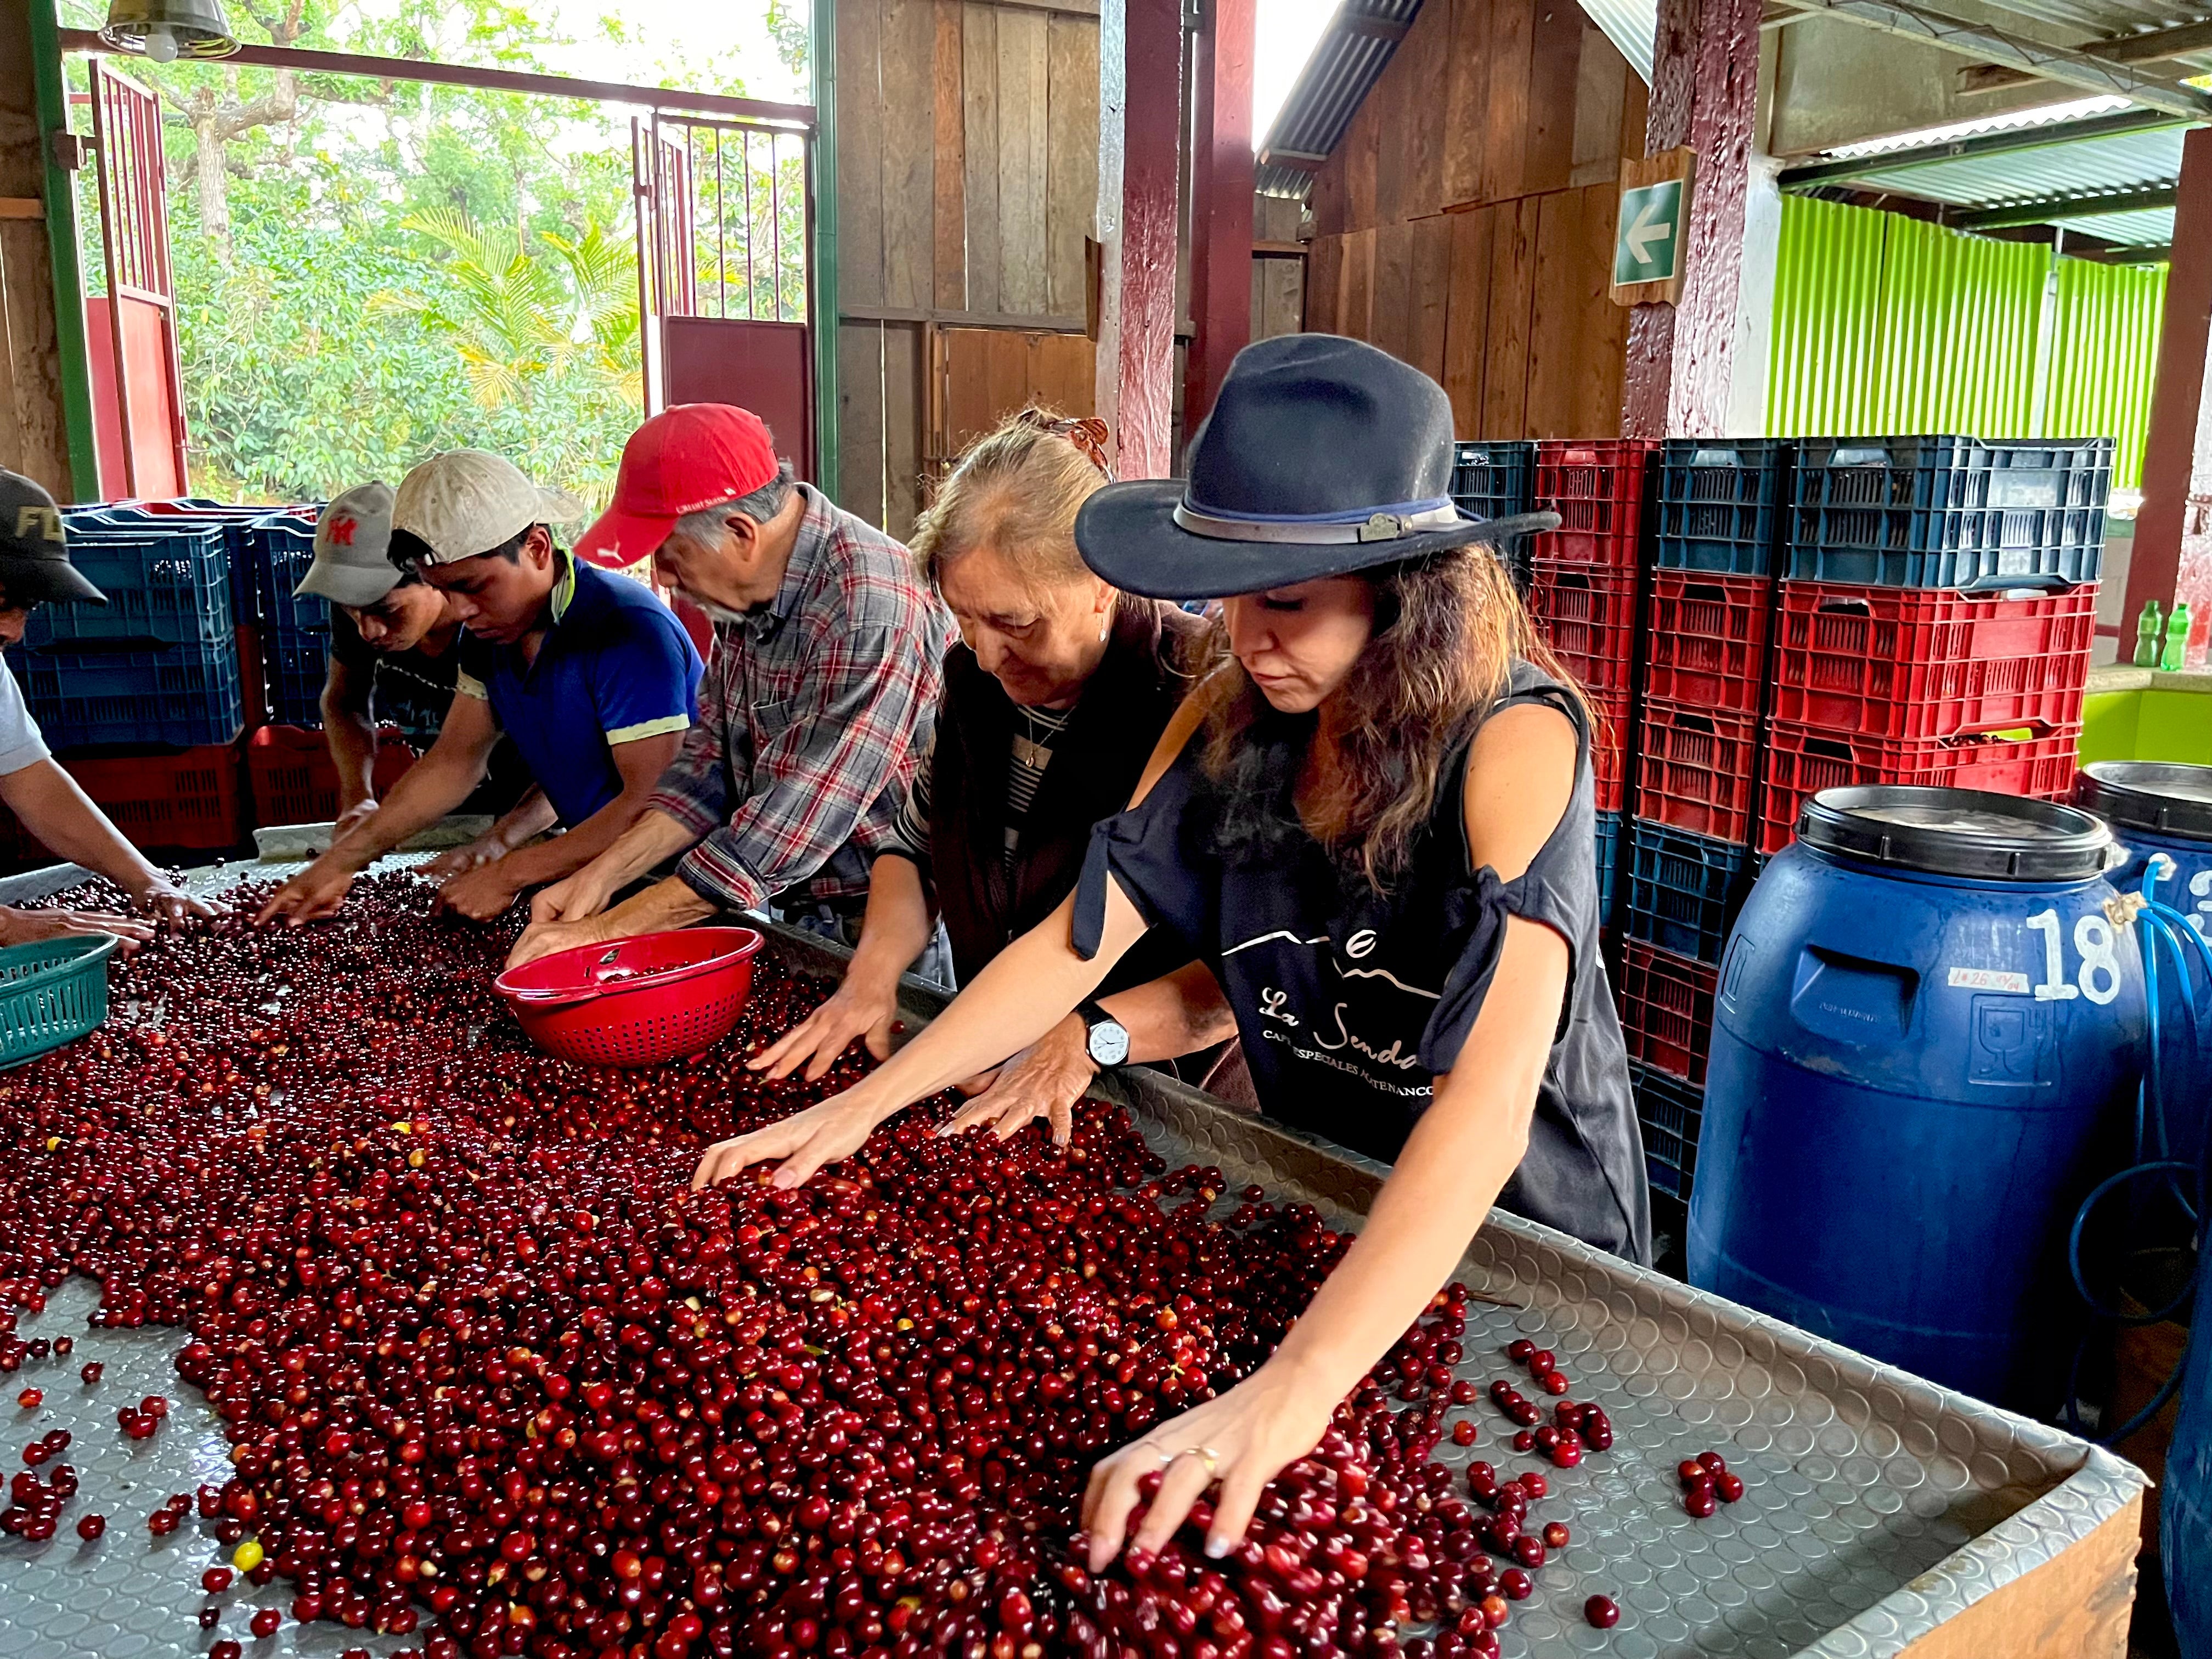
(1095, 766)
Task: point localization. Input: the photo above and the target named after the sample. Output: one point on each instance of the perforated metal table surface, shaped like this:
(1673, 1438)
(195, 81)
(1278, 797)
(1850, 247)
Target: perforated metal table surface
(1877, 1506)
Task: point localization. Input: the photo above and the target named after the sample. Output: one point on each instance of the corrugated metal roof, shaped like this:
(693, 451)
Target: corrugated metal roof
(1344, 65)
(2131, 160)
(1632, 25)
(2018, 120)
(2148, 227)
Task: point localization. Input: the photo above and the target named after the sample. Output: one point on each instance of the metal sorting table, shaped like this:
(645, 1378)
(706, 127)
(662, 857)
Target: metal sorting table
(1882, 1514)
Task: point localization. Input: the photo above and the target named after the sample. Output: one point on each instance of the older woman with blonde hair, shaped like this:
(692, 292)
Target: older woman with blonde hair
(1055, 695)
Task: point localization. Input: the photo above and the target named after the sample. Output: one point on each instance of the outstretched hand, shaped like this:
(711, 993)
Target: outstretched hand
(824, 1134)
(853, 1011)
(1044, 1080)
(165, 901)
(1239, 1442)
(34, 927)
(317, 891)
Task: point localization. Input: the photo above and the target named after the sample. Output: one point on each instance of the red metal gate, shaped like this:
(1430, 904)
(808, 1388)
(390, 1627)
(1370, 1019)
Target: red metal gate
(138, 406)
(726, 302)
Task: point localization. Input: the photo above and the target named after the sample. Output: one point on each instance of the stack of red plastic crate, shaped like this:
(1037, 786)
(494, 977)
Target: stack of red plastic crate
(1706, 655)
(1934, 619)
(1584, 584)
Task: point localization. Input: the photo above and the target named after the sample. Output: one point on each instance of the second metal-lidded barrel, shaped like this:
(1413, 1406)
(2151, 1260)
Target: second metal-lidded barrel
(2162, 813)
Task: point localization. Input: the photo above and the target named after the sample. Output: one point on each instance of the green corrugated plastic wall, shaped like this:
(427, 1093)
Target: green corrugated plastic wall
(2105, 356)
(1885, 323)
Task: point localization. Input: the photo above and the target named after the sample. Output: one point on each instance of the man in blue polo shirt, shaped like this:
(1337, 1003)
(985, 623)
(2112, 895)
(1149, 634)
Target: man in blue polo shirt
(590, 675)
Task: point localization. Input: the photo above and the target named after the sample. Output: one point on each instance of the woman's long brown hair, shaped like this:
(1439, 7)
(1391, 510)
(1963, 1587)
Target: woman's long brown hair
(1447, 630)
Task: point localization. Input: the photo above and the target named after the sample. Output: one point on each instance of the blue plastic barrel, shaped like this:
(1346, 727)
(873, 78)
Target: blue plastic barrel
(1925, 1049)
(2154, 807)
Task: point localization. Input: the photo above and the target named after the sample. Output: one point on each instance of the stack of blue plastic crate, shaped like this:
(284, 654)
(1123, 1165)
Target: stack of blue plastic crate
(158, 664)
(1495, 480)
(295, 633)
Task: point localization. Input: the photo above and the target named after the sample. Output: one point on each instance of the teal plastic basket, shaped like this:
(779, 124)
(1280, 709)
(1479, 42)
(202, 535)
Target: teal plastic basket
(51, 992)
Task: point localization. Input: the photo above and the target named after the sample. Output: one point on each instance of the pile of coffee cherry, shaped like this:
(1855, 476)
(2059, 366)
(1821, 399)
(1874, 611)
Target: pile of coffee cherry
(495, 1379)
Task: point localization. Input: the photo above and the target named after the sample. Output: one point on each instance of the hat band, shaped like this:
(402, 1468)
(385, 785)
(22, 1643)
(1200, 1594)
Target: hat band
(1382, 524)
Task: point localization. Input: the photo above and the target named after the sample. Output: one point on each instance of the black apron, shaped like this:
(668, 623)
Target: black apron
(1093, 771)
(1350, 1003)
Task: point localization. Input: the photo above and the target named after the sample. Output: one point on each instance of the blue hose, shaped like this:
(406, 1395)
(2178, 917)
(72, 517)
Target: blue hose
(2160, 927)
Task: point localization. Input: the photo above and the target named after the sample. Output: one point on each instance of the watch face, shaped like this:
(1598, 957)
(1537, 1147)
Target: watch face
(1109, 1042)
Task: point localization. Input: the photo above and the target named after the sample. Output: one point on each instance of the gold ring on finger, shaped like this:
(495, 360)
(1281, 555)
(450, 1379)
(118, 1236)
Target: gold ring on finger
(1206, 1455)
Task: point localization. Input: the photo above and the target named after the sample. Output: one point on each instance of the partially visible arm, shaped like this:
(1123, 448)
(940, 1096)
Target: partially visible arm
(665, 905)
(1023, 994)
(488, 890)
(812, 782)
(65, 820)
(1175, 1014)
(530, 816)
(350, 735)
(1461, 1153)
(689, 802)
(1026, 990)
(432, 787)
(894, 930)
(578, 901)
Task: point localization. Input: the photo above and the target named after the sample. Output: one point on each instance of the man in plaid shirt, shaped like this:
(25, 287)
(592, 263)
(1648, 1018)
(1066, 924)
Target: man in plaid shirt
(824, 677)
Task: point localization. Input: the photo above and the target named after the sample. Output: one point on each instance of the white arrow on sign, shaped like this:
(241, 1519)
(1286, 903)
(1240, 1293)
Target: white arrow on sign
(1648, 227)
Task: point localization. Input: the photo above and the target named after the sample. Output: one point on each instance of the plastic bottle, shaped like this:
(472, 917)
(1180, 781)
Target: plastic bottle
(2177, 636)
(2150, 634)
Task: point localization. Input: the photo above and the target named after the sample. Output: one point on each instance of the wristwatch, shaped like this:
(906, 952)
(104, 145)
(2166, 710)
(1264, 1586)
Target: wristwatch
(1107, 1040)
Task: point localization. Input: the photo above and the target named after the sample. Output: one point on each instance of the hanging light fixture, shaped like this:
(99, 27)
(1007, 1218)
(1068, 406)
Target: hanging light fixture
(164, 30)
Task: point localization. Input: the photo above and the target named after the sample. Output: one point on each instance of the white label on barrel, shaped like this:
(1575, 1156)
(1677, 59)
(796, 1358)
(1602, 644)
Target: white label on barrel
(1988, 978)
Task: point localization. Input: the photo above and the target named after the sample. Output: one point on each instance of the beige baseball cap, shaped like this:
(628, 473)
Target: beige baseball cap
(464, 502)
(353, 542)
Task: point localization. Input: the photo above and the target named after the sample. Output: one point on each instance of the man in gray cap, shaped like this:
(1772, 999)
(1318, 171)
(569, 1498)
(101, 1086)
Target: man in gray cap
(590, 675)
(35, 570)
(394, 658)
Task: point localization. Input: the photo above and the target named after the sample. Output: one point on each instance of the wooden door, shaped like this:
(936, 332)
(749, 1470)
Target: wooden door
(978, 376)
(138, 387)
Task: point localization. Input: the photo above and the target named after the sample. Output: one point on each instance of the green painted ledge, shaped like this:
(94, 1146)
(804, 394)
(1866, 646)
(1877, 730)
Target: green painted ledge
(2141, 713)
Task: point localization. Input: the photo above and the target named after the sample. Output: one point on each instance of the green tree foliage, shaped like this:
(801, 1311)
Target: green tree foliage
(367, 271)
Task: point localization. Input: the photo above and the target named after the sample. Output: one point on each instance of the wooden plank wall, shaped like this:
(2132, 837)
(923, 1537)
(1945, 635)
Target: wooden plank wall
(1465, 223)
(1278, 281)
(33, 439)
(967, 181)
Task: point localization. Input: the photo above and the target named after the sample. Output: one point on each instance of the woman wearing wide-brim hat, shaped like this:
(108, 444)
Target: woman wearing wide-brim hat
(1375, 822)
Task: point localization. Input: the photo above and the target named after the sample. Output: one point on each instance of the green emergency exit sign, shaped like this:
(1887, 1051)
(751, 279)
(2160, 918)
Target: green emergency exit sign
(1647, 245)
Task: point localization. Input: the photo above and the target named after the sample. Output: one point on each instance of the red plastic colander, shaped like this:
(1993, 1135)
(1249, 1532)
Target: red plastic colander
(638, 1002)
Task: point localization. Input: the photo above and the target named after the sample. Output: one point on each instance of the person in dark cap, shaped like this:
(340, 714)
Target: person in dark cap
(35, 570)
(1373, 821)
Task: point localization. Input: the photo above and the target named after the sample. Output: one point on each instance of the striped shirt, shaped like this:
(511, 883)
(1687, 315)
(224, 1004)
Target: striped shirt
(1035, 732)
(811, 718)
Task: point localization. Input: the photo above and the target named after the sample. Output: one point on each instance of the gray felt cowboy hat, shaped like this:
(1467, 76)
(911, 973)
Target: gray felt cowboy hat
(1322, 456)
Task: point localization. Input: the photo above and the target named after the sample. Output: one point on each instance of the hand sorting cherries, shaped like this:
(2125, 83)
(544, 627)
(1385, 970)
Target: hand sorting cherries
(492, 1373)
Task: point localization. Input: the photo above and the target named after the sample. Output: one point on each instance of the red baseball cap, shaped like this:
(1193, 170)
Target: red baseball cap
(685, 458)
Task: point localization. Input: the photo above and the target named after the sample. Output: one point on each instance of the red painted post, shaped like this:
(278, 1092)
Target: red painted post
(1704, 94)
(1139, 121)
(1220, 201)
(2173, 553)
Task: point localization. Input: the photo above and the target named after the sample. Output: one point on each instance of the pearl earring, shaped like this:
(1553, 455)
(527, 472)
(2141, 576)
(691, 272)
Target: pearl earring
(1104, 625)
